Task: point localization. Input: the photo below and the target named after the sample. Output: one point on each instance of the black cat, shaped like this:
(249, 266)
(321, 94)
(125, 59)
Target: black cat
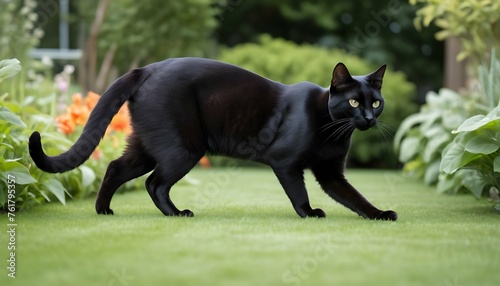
(185, 107)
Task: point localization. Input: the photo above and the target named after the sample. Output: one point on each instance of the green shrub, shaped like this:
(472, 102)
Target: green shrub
(422, 136)
(19, 34)
(454, 140)
(31, 186)
(476, 24)
(289, 63)
(474, 154)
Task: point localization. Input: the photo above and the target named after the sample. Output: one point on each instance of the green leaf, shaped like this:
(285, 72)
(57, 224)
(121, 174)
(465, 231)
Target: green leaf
(470, 124)
(19, 171)
(406, 126)
(56, 188)
(434, 146)
(474, 183)
(8, 68)
(455, 157)
(409, 148)
(481, 144)
(10, 117)
(432, 173)
(478, 121)
(88, 175)
(449, 184)
(496, 164)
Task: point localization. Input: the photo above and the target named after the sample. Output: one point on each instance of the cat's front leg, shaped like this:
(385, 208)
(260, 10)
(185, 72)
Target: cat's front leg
(292, 181)
(337, 187)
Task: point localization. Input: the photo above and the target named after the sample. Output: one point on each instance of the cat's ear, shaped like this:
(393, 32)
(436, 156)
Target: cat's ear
(341, 76)
(376, 78)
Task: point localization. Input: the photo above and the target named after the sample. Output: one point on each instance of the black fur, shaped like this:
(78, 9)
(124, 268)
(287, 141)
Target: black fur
(186, 107)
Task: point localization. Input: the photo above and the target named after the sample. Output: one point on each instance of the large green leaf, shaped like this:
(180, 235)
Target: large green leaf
(482, 144)
(8, 68)
(56, 188)
(475, 122)
(10, 117)
(496, 164)
(470, 124)
(474, 183)
(434, 146)
(407, 125)
(409, 148)
(455, 157)
(88, 175)
(449, 184)
(432, 173)
(17, 170)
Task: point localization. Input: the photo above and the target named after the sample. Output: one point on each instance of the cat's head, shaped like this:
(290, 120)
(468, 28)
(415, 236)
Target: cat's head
(356, 99)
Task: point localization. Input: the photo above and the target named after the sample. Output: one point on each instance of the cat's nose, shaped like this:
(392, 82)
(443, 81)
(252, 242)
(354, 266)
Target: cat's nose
(370, 119)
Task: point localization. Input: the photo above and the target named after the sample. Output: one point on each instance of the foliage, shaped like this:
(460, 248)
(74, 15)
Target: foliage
(476, 23)
(287, 62)
(476, 148)
(454, 140)
(377, 31)
(72, 122)
(31, 185)
(162, 29)
(422, 136)
(18, 35)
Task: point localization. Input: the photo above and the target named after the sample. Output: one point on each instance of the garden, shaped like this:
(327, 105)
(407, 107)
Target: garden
(434, 156)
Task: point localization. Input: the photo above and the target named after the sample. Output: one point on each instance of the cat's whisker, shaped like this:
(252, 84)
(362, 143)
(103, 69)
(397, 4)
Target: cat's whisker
(386, 134)
(345, 129)
(334, 123)
(385, 130)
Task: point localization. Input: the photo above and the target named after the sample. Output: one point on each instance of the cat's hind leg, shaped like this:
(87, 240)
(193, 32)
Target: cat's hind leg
(165, 175)
(133, 163)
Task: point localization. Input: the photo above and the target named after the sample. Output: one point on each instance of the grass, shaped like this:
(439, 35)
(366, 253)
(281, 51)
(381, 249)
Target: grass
(245, 232)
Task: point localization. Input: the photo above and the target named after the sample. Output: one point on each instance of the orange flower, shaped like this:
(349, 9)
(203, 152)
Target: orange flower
(121, 121)
(205, 162)
(97, 154)
(66, 124)
(77, 99)
(91, 100)
(78, 114)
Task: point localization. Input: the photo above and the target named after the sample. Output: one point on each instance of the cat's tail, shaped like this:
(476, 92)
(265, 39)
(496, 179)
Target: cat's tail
(100, 117)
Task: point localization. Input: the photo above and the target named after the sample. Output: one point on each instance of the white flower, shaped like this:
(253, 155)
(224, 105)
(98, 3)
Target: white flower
(25, 10)
(69, 69)
(38, 33)
(30, 4)
(33, 17)
(28, 25)
(47, 61)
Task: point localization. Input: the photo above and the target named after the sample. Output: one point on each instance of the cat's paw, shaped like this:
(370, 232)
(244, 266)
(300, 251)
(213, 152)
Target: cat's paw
(387, 215)
(186, 213)
(319, 213)
(105, 211)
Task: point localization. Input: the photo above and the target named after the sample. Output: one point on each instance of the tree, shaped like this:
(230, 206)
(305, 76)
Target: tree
(133, 35)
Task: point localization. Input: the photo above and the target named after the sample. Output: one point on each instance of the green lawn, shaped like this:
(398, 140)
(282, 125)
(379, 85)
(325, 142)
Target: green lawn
(245, 232)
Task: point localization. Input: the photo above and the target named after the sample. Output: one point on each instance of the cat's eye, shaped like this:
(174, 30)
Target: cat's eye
(353, 102)
(376, 104)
